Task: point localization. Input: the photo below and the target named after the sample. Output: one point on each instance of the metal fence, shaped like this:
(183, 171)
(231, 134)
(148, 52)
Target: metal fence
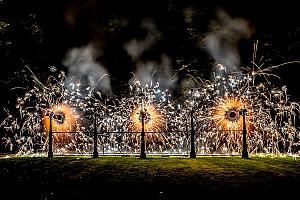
(101, 142)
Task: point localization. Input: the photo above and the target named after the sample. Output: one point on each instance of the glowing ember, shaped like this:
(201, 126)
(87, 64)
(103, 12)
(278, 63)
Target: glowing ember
(153, 121)
(64, 120)
(227, 114)
(216, 104)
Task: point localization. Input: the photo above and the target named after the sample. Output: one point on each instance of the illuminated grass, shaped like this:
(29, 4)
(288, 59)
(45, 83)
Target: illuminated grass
(152, 178)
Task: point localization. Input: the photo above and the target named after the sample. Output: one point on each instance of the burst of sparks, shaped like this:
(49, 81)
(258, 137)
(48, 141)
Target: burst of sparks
(227, 114)
(216, 105)
(65, 119)
(153, 121)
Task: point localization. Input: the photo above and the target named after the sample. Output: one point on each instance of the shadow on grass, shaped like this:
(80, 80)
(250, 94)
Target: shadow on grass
(151, 178)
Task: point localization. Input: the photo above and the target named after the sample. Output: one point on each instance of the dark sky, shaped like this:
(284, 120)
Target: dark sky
(176, 31)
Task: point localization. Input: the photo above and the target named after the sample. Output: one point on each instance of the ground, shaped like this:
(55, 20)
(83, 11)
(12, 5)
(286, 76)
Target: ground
(151, 178)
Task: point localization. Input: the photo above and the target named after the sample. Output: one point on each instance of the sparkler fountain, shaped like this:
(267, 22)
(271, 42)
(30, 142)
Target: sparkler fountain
(155, 122)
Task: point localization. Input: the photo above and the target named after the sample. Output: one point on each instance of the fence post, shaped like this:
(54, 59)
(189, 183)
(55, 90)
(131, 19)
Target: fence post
(143, 154)
(192, 153)
(95, 153)
(50, 152)
(245, 151)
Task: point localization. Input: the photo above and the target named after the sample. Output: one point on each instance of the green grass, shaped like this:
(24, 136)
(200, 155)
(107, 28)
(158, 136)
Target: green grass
(152, 178)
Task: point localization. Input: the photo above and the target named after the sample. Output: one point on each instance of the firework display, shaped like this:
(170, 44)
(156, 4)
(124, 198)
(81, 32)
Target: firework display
(216, 107)
(64, 121)
(122, 121)
(27, 131)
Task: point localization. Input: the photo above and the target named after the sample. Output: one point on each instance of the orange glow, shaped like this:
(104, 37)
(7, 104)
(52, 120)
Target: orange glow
(227, 117)
(65, 120)
(153, 122)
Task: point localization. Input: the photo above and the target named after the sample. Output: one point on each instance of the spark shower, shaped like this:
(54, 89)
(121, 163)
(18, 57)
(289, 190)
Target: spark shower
(271, 119)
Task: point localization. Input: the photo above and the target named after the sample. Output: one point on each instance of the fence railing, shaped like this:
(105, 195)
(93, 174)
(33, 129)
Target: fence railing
(142, 133)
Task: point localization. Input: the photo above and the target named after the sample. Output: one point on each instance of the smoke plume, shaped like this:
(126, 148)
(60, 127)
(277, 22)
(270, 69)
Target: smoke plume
(222, 41)
(82, 65)
(135, 48)
(149, 70)
(160, 72)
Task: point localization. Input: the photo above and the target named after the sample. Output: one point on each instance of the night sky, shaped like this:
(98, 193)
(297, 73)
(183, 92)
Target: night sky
(125, 35)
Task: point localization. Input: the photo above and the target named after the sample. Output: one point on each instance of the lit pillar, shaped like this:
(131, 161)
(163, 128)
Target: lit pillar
(50, 152)
(245, 150)
(95, 153)
(192, 153)
(143, 154)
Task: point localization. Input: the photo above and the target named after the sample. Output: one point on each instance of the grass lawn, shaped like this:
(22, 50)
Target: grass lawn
(152, 178)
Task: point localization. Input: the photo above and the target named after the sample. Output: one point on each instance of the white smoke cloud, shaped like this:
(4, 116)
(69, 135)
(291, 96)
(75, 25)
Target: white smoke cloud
(166, 76)
(150, 71)
(82, 65)
(135, 48)
(222, 41)
(156, 72)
